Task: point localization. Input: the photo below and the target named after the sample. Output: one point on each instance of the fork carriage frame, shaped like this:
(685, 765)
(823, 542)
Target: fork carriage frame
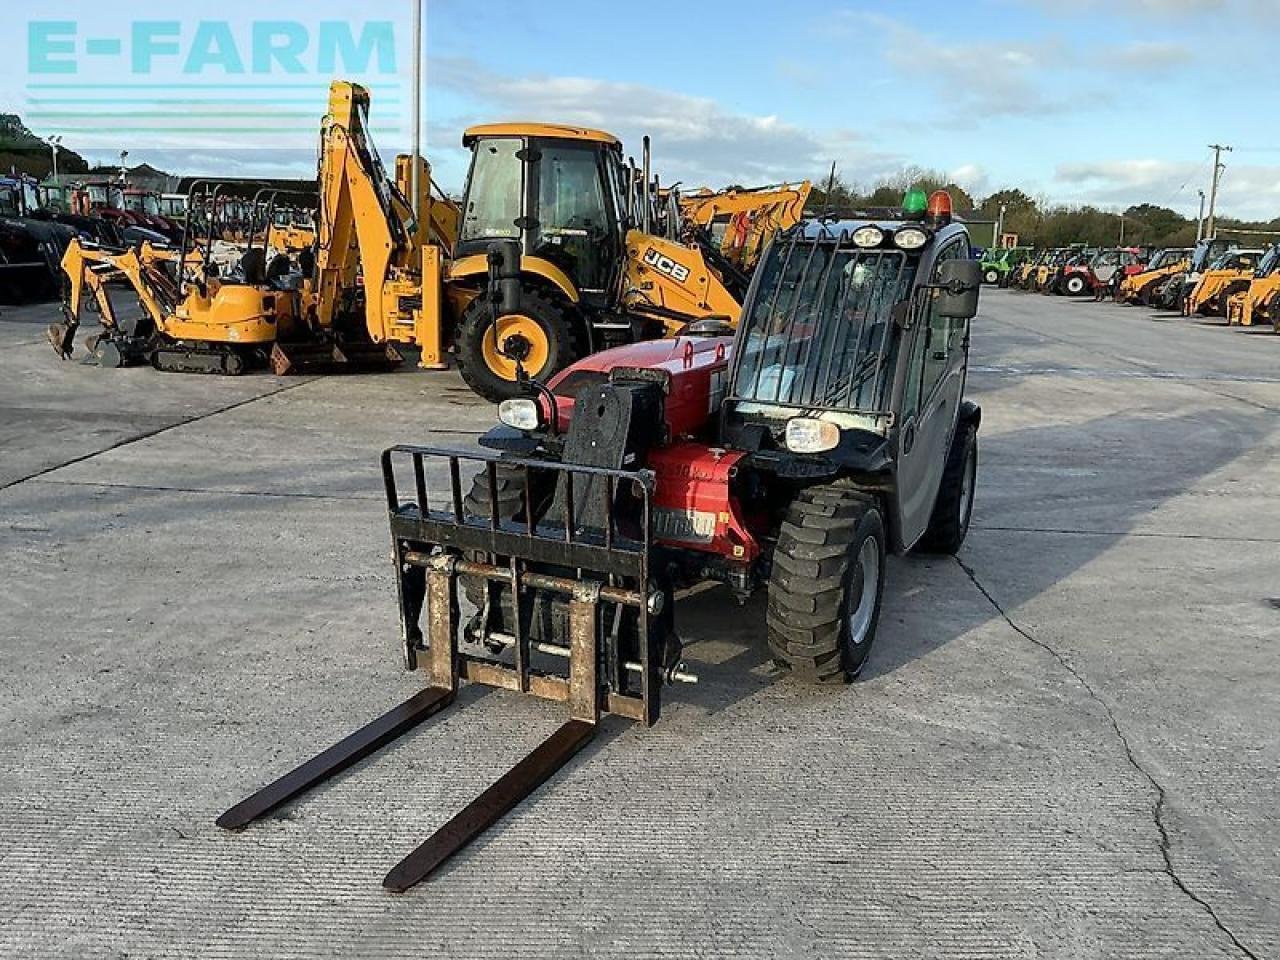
(431, 543)
(430, 549)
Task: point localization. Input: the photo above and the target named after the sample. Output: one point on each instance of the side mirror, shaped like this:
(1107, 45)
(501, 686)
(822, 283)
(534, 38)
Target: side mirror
(958, 285)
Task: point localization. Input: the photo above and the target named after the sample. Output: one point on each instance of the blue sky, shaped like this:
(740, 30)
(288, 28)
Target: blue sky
(1101, 101)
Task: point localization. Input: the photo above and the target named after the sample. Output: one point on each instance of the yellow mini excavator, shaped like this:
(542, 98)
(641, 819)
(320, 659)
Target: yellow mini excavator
(194, 317)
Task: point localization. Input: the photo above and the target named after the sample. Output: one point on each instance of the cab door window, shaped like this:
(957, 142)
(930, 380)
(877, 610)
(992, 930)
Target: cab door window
(574, 223)
(937, 340)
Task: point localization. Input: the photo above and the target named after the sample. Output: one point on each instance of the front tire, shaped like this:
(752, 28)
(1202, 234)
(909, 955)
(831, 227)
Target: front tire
(953, 509)
(1075, 286)
(992, 277)
(827, 584)
(540, 333)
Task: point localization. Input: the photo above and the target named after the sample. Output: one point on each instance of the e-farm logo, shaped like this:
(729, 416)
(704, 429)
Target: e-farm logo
(260, 79)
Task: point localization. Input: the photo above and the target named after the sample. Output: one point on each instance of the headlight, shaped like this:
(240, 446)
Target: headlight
(910, 238)
(868, 237)
(811, 436)
(520, 413)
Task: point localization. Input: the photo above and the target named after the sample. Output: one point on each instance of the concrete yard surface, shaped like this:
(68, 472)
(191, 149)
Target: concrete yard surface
(1066, 745)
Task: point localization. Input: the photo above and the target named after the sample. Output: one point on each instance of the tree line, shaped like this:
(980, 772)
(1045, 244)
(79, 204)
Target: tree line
(1037, 221)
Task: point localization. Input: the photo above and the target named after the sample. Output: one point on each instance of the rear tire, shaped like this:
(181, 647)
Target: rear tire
(953, 509)
(552, 324)
(827, 584)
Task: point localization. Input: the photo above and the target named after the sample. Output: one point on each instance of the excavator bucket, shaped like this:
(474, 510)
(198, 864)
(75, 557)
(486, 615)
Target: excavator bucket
(62, 337)
(302, 359)
(564, 607)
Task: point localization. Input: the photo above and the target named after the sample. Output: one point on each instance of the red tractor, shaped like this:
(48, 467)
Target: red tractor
(830, 431)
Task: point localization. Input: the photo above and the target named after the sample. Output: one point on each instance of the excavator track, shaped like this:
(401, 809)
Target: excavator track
(224, 361)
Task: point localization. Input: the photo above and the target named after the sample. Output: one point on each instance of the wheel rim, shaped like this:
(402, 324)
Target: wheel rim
(966, 489)
(867, 586)
(517, 334)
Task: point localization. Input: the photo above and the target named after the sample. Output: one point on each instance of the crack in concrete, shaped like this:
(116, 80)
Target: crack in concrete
(1123, 533)
(148, 434)
(1158, 807)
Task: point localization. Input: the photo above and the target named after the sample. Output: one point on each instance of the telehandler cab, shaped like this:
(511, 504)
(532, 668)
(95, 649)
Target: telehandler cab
(829, 432)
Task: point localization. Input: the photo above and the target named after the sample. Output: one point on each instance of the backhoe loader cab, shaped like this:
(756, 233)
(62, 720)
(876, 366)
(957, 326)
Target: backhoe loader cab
(601, 257)
(831, 430)
(556, 190)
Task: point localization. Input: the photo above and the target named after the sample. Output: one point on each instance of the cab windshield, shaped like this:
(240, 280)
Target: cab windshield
(816, 334)
(8, 201)
(1269, 262)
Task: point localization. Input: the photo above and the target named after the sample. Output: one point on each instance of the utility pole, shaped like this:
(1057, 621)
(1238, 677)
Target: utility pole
(1000, 225)
(1121, 230)
(414, 186)
(1218, 167)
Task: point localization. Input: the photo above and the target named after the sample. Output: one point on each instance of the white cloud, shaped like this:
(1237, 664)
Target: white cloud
(696, 140)
(1250, 192)
(1147, 56)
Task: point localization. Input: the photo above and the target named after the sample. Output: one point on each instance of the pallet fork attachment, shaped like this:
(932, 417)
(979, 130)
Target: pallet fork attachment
(600, 574)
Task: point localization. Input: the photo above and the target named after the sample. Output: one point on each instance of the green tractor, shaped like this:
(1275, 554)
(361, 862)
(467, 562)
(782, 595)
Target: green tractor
(998, 262)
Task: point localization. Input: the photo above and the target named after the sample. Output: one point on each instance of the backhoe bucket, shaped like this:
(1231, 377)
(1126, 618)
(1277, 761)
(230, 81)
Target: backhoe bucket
(302, 359)
(565, 608)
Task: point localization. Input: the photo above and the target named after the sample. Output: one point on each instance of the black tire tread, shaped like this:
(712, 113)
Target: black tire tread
(806, 587)
(945, 534)
(476, 320)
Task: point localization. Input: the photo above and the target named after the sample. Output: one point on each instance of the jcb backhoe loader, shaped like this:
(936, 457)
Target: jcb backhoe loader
(1226, 276)
(741, 221)
(1164, 264)
(1260, 303)
(593, 269)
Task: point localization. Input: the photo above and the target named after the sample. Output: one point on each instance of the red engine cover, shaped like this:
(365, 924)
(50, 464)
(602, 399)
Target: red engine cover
(696, 369)
(692, 505)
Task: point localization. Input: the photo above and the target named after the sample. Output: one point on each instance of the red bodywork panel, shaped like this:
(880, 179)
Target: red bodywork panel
(692, 504)
(693, 508)
(697, 368)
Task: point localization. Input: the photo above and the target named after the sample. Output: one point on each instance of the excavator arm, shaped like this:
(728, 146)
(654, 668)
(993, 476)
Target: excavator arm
(367, 235)
(88, 270)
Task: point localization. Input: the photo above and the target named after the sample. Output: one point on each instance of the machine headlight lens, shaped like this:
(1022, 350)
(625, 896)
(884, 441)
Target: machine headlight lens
(805, 435)
(910, 238)
(868, 237)
(520, 413)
